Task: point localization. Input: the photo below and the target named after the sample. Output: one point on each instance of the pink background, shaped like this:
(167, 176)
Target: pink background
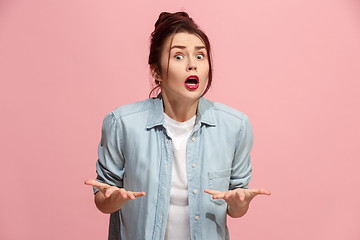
(292, 66)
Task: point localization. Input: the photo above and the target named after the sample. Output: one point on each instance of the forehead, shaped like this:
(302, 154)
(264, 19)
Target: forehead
(185, 39)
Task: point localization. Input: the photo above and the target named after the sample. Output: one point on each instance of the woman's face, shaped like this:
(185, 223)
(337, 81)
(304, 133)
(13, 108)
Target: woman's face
(184, 74)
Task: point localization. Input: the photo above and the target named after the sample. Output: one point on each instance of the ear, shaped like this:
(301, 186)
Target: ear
(155, 73)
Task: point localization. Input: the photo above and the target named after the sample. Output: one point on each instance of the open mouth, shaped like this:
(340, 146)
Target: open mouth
(192, 82)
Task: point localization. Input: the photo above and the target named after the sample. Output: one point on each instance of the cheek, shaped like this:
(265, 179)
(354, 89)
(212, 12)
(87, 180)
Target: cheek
(175, 72)
(205, 66)
(205, 72)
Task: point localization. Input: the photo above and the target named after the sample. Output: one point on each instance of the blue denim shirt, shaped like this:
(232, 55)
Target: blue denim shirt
(135, 153)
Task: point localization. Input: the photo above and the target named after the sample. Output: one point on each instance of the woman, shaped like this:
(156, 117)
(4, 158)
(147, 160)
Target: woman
(172, 167)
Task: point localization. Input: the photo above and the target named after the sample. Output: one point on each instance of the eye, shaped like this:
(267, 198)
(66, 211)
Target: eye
(200, 56)
(178, 57)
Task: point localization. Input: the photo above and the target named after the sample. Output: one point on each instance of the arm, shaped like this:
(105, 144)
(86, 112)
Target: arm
(110, 195)
(239, 197)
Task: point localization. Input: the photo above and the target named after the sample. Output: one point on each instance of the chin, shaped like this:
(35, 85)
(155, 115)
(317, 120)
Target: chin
(193, 95)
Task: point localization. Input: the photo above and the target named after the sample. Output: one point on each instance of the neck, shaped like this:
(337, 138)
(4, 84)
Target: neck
(180, 111)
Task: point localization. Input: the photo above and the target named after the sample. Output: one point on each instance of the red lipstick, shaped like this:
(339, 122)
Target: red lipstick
(192, 82)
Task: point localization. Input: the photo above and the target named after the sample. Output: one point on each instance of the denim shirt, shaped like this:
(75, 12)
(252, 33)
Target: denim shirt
(135, 153)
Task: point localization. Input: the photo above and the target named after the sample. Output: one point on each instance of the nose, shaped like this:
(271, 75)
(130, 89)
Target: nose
(191, 65)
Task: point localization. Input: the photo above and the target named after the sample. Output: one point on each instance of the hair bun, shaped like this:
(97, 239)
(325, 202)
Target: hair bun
(184, 14)
(164, 16)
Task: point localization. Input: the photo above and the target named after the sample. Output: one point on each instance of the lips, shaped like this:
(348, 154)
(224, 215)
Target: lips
(192, 82)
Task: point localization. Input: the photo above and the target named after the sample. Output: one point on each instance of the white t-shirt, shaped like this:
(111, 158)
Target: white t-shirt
(178, 221)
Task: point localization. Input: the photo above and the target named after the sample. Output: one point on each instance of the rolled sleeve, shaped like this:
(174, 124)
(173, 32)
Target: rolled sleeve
(241, 168)
(110, 164)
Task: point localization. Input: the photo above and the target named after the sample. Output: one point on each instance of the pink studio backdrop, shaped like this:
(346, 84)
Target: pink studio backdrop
(292, 66)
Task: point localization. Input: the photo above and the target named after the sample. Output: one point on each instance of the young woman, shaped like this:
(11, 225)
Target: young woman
(174, 166)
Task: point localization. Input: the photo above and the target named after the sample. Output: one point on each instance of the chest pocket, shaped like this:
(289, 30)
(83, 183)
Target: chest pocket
(219, 180)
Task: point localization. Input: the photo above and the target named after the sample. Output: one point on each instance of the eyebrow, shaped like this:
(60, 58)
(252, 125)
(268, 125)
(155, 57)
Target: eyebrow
(183, 47)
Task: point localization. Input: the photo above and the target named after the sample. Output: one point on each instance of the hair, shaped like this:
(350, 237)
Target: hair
(167, 25)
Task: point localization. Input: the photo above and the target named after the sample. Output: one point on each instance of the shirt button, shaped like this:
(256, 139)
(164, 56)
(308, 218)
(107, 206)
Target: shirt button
(193, 139)
(197, 218)
(193, 165)
(164, 194)
(195, 191)
(167, 141)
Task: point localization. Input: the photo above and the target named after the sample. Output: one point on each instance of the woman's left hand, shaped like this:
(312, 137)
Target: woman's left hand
(238, 200)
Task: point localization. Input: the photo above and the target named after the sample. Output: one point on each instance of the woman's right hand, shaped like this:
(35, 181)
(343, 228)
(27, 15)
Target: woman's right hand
(110, 198)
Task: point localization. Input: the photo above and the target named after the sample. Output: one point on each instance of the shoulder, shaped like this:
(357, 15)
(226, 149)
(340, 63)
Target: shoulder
(222, 111)
(231, 121)
(130, 114)
(229, 111)
(133, 109)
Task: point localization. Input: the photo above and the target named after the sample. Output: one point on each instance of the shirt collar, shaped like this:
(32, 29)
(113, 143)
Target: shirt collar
(156, 116)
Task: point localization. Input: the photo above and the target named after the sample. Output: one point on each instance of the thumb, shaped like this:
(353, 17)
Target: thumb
(261, 191)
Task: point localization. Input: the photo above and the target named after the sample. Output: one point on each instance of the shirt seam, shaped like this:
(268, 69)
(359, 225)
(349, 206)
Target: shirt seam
(232, 114)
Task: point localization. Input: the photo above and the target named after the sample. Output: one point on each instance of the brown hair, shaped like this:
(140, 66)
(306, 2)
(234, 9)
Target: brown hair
(167, 25)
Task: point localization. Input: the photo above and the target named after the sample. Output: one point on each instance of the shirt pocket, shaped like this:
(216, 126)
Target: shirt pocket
(219, 180)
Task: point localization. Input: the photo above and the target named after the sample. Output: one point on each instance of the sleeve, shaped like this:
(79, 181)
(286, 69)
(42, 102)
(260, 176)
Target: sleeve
(241, 167)
(110, 164)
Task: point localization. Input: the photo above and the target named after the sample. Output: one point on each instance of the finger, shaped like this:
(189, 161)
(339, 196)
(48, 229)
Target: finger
(220, 195)
(110, 191)
(241, 195)
(130, 195)
(123, 193)
(265, 191)
(96, 183)
(228, 194)
(139, 194)
(212, 192)
(261, 191)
